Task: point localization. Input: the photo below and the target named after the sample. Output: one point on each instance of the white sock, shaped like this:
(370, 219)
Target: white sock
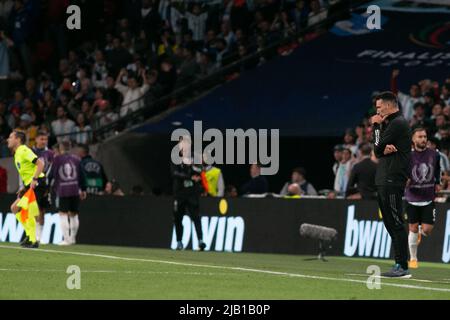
(39, 228)
(74, 225)
(413, 240)
(65, 228)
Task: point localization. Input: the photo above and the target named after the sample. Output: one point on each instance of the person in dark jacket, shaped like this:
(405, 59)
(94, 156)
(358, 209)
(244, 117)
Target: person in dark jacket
(392, 146)
(362, 176)
(257, 184)
(187, 188)
(92, 171)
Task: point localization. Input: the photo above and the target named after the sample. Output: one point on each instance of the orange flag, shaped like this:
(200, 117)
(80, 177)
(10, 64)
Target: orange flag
(204, 181)
(28, 205)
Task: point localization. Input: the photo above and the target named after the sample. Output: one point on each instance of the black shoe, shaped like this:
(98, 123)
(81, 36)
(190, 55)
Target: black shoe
(25, 241)
(202, 246)
(397, 272)
(31, 245)
(180, 246)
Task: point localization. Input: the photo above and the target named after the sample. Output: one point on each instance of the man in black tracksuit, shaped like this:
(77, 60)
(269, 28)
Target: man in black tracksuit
(187, 189)
(392, 146)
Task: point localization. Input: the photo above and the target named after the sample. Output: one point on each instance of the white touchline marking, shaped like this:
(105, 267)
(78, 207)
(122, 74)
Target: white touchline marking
(408, 279)
(406, 286)
(117, 271)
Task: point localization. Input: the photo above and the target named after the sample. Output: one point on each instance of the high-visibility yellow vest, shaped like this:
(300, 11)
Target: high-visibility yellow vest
(212, 177)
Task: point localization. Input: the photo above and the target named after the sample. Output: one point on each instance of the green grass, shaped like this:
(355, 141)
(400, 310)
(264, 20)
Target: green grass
(166, 274)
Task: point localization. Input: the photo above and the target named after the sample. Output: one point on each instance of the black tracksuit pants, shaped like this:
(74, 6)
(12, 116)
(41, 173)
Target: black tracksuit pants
(187, 205)
(391, 206)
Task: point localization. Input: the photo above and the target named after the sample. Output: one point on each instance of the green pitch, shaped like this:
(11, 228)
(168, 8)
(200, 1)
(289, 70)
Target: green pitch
(138, 273)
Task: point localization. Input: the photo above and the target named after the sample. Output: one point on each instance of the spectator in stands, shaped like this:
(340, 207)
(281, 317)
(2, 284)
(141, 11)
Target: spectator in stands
(112, 188)
(167, 76)
(443, 135)
(188, 68)
(436, 110)
(258, 184)
(300, 15)
(331, 195)
(343, 172)
(433, 143)
(31, 90)
(197, 23)
(407, 102)
(221, 52)
(445, 180)
(105, 115)
(20, 24)
(150, 20)
(118, 57)
(62, 127)
(28, 129)
(5, 44)
(362, 176)
(439, 121)
(302, 186)
(228, 35)
(82, 131)
(16, 106)
(337, 154)
(419, 118)
(167, 45)
(293, 191)
(99, 70)
(207, 65)
(280, 24)
(231, 191)
(360, 135)
(317, 13)
(445, 93)
(349, 141)
(111, 94)
(132, 92)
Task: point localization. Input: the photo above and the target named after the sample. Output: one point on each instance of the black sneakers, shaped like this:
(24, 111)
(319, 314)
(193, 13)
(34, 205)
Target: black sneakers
(25, 241)
(397, 272)
(202, 246)
(31, 245)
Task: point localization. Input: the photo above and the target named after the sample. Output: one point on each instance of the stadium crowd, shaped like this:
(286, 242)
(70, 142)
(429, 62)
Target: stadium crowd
(70, 83)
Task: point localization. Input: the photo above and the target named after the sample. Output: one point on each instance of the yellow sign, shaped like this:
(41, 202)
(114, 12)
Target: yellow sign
(223, 206)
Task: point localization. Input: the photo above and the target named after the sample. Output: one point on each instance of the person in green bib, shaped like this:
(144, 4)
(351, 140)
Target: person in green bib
(30, 169)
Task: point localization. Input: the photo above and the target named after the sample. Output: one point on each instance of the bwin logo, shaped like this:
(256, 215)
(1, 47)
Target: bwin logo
(11, 230)
(370, 238)
(228, 233)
